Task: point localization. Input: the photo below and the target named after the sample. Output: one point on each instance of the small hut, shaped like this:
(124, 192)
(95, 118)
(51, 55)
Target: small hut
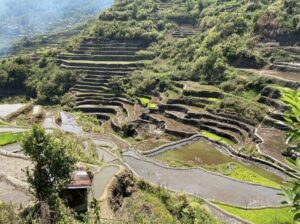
(76, 193)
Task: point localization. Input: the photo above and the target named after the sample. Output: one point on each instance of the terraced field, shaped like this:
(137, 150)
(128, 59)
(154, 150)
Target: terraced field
(99, 62)
(189, 114)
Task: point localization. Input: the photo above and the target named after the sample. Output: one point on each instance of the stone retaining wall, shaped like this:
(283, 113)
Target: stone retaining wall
(187, 102)
(232, 116)
(205, 94)
(271, 102)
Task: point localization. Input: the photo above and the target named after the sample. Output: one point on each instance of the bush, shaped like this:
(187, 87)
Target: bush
(244, 108)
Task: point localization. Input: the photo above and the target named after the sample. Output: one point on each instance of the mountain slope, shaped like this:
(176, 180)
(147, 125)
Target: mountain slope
(28, 18)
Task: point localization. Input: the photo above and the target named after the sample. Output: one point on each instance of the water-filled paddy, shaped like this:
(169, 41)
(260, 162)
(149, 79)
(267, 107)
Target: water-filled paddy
(102, 178)
(205, 154)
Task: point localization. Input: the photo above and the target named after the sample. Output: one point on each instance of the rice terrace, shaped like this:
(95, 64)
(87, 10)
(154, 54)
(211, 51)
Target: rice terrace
(154, 111)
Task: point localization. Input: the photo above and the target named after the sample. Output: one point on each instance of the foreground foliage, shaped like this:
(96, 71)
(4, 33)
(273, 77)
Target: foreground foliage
(292, 116)
(53, 166)
(157, 205)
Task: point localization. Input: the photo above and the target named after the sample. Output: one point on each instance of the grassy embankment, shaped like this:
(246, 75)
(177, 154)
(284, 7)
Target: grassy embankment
(9, 138)
(262, 216)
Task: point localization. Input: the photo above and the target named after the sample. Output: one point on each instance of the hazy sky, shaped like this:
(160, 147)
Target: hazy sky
(30, 17)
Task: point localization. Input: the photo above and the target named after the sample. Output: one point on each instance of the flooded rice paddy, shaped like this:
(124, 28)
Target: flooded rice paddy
(202, 183)
(102, 178)
(7, 109)
(205, 154)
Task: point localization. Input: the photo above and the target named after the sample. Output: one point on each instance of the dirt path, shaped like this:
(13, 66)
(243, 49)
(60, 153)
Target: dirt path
(287, 76)
(203, 184)
(11, 194)
(14, 167)
(273, 144)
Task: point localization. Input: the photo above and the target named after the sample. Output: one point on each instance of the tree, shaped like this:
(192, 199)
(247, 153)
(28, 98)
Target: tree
(53, 166)
(200, 6)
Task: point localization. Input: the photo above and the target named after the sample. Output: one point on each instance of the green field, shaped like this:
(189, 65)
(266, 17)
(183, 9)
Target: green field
(216, 137)
(247, 175)
(152, 106)
(9, 138)
(144, 101)
(262, 216)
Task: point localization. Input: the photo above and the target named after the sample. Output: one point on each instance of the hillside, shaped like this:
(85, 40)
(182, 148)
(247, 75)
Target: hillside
(180, 111)
(25, 19)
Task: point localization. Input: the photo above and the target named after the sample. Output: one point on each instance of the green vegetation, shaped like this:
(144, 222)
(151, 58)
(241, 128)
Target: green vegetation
(215, 137)
(147, 103)
(213, 100)
(52, 171)
(292, 116)
(261, 216)
(9, 138)
(165, 207)
(88, 123)
(241, 173)
(8, 214)
(43, 79)
(229, 33)
(152, 106)
(204, 155)
(144, 101)
(245, 108)
(82, 149)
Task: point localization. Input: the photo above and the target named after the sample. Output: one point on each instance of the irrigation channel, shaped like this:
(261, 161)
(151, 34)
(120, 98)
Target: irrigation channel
(102, 178)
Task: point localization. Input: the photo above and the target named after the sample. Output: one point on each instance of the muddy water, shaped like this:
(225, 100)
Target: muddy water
(102, 178)
(203, 153)
(69, 124)
(7, 109)
(203, 184)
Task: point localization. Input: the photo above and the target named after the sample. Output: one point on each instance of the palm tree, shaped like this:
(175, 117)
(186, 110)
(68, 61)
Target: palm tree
(292, 116)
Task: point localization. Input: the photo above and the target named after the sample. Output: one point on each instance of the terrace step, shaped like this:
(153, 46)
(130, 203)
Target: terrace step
(108, 49)
(99, 71)
(94, 82)
(87, 101)
(88, 78)
(233, 117)
(286, 66)
(278, 105)
(223, 133)
(113, 45)
(269, 121)
(107, 73)
(119, 65)
(98, 67)
(97, 52)
(101, 116)
(91, 87)
(175, 125)
(245, 127)
(199, 103)
(240, 133)
(96, 94)
(96, 109)
(88, 57)
(236, 132)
